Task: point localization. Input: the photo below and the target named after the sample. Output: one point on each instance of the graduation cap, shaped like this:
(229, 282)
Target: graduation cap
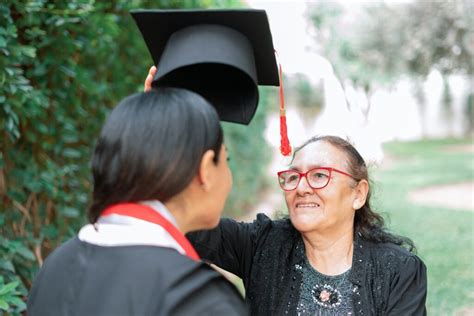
(222, 55)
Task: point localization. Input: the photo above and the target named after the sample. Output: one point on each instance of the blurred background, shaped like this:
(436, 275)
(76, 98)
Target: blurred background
(395, 77)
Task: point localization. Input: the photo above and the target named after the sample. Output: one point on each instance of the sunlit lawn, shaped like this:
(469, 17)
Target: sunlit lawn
(444, 237)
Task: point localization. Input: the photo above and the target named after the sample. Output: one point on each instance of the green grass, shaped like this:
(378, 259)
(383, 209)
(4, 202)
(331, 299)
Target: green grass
(444, 237)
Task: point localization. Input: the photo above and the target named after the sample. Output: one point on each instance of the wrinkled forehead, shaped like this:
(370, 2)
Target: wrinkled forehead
(319, 154)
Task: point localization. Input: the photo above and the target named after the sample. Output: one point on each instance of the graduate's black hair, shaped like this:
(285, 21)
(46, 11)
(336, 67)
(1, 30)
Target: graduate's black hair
(151, 146)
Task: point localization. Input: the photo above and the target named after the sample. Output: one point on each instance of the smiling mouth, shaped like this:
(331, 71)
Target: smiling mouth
(307, 205)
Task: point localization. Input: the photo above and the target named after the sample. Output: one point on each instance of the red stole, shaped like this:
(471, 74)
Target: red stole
(148, 214)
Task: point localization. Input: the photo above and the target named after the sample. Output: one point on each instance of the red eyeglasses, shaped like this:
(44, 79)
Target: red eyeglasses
(317, 178)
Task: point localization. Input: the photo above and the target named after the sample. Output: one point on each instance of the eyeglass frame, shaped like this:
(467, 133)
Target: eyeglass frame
(304, 174)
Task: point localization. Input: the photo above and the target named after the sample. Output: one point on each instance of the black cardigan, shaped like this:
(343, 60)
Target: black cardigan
(387, 279)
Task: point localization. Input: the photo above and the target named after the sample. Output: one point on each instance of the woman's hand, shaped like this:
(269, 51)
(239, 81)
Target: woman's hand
(149, 79)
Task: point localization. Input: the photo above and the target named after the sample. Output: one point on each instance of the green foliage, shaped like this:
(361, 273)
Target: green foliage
(307, 95)
(442, 235)
(63, 66)
(9, 300)
(382, 41)
(249, 155)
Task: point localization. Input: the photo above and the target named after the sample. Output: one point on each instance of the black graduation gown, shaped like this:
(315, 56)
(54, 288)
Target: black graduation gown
(80, 278)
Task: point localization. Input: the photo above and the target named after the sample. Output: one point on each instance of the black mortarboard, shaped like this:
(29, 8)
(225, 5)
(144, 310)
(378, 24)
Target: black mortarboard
(221, 54)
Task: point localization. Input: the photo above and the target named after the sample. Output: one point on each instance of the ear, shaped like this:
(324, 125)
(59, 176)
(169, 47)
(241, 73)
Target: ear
(361, 191)
(206, 170)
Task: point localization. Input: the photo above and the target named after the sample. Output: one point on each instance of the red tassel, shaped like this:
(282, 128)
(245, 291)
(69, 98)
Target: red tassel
(285, 147)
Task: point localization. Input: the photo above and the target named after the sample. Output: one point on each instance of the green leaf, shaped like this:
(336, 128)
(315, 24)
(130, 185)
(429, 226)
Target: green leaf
(70, 138)
(29, 51)
(18, 302)
(7, 265)
(34, 185)
(3, 305)
(25, 253)
(68, 71)
(50, 231)
(70, 212)
(71, 153)
(8, 288)
(9, 71)
(42, 128)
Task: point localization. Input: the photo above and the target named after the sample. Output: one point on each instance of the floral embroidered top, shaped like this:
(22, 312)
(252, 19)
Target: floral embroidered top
(268, 254)
(323, 295)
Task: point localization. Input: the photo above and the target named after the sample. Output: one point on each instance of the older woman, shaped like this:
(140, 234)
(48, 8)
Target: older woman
(333, 255)
(160, 170)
